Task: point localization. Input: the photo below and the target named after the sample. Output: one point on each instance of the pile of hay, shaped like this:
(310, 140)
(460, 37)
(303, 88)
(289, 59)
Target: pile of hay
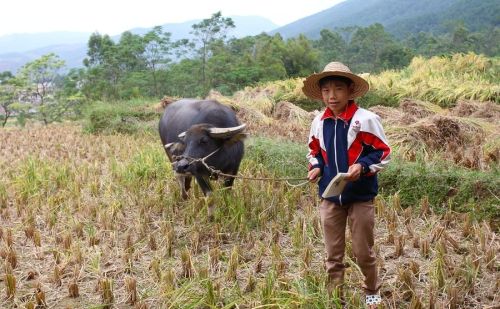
(217, 96)
(166, 100)
(419, 109)
(289, 112)
(475, 109)
(392, 116)
(257, 98)
(409, 111)
(458, 139)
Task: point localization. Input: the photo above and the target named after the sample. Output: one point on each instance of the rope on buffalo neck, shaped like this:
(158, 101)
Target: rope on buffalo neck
(220, 173)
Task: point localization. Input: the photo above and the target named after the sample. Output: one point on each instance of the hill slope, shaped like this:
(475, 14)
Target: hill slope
(399, 17)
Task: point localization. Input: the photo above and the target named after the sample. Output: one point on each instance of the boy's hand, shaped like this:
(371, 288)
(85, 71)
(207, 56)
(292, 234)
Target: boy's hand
(354, 172)
(313, 174)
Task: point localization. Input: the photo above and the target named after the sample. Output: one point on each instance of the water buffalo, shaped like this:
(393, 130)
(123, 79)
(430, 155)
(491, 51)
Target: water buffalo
(194, 129)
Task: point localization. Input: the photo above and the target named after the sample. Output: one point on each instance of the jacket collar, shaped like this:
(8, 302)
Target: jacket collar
(345, 115)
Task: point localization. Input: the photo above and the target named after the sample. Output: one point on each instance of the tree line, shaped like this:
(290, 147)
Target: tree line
(153, 65)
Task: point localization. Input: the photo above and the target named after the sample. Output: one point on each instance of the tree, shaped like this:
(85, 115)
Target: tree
(9, 90)
(300, 57)
(41, 79)
(331, 46)
(206, 33)
(158, 48)
(101, 78)
(129, 53)
(366, 47)
(268, 54)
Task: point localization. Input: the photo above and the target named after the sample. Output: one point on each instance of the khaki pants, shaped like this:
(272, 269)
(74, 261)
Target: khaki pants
(361, 217)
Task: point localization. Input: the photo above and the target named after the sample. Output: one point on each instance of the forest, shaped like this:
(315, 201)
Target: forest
(152, 65)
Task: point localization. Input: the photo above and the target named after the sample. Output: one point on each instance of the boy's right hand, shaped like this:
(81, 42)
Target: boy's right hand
(313, 174)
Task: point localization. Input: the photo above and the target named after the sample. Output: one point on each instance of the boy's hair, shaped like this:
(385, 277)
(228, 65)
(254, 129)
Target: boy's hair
(334, 78)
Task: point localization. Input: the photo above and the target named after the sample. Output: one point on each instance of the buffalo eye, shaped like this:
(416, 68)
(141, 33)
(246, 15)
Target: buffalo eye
(204, 140)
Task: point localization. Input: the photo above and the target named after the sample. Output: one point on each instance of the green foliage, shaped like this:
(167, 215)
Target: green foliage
(208, 32)
(41, 77)
(9, 91)
(279, 158)
(363, 49)
(300, 58)
(399, 17)
(331, 46)
(119, 118)
(372, 49)
(446, 186)
(375, 97)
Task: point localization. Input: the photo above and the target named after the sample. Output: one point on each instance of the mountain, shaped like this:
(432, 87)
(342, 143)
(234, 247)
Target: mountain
(17, 49)
(399, 17)
(245, 25)
(22, 42)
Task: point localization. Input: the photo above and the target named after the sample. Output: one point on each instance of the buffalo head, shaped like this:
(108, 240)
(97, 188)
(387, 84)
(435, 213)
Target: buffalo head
(204, 141)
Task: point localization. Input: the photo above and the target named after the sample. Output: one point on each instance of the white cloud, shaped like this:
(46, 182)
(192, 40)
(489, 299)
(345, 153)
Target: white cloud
(113, 17)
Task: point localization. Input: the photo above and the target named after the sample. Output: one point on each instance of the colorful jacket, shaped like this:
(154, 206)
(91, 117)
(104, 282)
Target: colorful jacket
(335, 143)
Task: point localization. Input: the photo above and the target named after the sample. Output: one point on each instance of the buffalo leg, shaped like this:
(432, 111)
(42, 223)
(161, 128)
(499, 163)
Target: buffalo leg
(228, 182)
(207, 191)
(185, 184)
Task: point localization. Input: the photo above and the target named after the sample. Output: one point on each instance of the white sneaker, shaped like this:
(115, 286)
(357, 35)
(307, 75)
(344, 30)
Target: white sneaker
(373, 299)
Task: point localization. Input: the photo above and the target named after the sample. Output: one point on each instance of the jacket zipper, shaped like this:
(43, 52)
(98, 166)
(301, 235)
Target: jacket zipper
(335, 151)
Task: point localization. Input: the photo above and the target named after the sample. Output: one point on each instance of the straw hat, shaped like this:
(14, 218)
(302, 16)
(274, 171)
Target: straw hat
(311, 83)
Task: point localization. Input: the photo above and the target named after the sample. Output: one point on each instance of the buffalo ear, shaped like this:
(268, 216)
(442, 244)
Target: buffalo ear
(236, 138)
(175, 147)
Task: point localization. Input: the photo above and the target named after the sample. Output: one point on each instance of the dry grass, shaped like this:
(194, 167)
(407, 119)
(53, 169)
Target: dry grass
(97, 221)
(466, 135)
(443, 81)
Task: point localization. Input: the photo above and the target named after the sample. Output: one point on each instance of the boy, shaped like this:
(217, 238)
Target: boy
(346, 139)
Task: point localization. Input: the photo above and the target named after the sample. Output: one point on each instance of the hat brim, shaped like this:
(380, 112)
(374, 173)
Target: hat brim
(312, 90)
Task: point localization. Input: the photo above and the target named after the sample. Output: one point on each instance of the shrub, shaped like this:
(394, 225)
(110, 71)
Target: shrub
(446, 186)
(283, 158)
(374, 97)
(109, 119)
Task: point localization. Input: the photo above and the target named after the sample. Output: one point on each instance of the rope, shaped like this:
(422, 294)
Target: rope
(286, 179)
(220, 173)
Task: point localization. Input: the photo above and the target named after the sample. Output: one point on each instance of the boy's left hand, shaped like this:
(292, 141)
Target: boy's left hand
(354, 172)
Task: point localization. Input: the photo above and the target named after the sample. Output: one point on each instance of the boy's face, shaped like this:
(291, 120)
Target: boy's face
(336, 95)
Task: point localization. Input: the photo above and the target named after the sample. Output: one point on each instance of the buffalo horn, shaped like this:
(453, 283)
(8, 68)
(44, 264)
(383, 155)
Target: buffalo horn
(226, 132)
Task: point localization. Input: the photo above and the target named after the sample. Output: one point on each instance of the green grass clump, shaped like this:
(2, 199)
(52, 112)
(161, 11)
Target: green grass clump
(445, 186)
(375, 97)
(283, 158)
(126, 118)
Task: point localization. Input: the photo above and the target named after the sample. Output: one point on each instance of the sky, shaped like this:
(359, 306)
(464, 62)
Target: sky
(115, 16)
